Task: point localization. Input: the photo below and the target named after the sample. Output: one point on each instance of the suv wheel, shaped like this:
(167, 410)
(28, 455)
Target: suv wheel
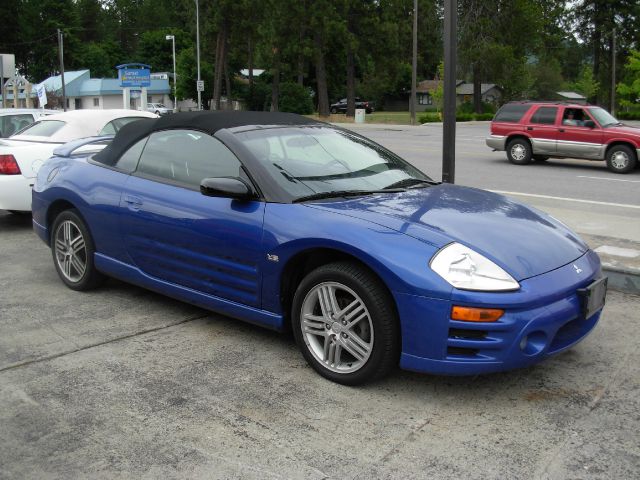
(621, 159)
(519, 151)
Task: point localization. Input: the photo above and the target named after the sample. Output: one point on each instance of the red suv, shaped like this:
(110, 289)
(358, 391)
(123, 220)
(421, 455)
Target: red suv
(539, 130)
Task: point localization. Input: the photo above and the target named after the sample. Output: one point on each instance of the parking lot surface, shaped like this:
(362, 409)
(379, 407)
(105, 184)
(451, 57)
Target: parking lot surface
(124, 383)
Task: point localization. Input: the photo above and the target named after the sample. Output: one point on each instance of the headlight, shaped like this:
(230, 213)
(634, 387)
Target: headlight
(468, 270)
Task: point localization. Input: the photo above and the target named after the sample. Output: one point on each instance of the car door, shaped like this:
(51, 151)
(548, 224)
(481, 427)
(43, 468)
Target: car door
(542, 130)
(174, 233)
(575, 139)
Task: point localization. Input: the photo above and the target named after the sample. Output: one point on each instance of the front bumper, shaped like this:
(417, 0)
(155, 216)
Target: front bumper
(496, 142)
(15, 192)
(542, 319)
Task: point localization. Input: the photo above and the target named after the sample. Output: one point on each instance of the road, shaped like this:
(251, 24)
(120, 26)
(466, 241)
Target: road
(581, 193)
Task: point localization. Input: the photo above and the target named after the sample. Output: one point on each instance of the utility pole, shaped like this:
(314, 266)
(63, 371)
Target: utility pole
(414, 64)
(61, 54)
(175, 79)
(198, 53)
(613, 71)
(449, 127)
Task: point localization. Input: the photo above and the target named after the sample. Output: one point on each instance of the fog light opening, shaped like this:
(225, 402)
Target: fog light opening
(533, 343)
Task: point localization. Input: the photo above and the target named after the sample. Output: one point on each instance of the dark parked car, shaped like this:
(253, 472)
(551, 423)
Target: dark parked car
(341, 105)
(538, 130)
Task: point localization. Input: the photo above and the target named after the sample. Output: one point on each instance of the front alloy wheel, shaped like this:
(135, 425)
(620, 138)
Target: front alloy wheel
(337, 327)
(621, 159)
(345, 323)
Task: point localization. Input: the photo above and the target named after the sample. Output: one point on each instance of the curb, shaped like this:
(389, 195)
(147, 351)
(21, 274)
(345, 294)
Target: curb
(622, 279)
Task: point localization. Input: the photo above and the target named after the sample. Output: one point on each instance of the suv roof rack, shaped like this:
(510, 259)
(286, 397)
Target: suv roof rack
(553, 102)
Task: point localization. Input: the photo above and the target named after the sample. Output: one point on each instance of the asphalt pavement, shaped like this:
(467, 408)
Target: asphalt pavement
(124, 383)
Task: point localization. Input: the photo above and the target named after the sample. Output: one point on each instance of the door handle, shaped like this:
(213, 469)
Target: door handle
(134, 203)
(561, 130)
(529, 128)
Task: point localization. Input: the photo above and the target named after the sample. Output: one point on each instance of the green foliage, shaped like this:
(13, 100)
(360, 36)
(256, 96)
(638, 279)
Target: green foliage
(467, 107)
(295, 98)
(631, 114)
(586, 83)
(429, 117)
(547, 79)
(629, 90)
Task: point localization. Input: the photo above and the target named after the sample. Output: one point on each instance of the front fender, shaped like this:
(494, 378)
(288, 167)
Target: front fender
(401, 262)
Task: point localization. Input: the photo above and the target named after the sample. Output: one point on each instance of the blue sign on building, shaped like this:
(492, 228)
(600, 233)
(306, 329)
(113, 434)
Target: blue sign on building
(134, 75)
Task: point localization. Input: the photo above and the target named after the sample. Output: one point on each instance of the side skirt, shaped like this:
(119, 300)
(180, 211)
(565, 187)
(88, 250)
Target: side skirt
(127, 273)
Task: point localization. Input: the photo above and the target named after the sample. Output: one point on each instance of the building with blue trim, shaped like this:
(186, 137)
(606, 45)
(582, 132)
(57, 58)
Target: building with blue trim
(84, 92)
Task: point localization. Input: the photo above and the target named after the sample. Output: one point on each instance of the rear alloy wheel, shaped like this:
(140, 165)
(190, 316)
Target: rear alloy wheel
(519, 151)
(345, 324)
(621, 159)
(334, 110)
(72, 249)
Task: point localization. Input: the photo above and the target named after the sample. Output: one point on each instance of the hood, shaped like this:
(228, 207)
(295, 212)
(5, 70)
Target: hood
(522, 240)
(626, 129)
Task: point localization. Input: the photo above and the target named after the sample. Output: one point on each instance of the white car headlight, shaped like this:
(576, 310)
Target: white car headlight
(468, 270)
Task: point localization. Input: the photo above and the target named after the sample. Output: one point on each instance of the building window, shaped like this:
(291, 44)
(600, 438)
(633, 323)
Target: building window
(425, 99)
(96, 102)
(149, 99)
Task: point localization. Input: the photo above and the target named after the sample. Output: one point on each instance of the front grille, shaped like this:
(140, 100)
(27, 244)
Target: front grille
(467, 334)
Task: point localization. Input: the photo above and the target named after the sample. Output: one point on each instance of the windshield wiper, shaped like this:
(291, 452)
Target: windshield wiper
(344, 193)
(409, 182)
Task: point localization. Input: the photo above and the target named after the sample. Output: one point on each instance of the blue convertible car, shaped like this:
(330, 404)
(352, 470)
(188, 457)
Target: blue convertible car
(287, 222)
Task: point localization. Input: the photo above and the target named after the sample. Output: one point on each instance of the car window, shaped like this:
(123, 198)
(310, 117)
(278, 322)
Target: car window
(603, 117)
(187, 157)
(511, 112)
(43, 128)
(113, 126)
(308, 160)
(574, 117)
(129, 159)
(545, 115)
(10, 124)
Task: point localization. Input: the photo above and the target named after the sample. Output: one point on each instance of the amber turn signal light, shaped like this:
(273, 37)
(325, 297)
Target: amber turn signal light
(470, 314)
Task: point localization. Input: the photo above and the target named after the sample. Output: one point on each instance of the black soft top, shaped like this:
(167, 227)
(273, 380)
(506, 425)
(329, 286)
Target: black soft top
(205, 121)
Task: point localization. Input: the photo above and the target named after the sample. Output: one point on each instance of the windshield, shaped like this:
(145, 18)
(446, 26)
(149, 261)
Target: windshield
(42, 128)
(312, 160)
(603, 117)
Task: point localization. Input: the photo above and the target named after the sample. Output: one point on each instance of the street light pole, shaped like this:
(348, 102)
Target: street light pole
(175, 79)
(61, 55)
(198, 53)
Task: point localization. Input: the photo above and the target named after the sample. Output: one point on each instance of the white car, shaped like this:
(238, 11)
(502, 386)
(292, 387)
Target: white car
(158, 108)
(22, 155)
(12, 120)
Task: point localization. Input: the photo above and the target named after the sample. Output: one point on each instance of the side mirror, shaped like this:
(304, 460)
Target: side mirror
(226, 187)
(590, 124)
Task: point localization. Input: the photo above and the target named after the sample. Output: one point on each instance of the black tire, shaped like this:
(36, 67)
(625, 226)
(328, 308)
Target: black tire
(157, 112)
(540, 158)
(519, 151)
(334, 110)
(87, 279)
(621, 159)
(383, 322)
